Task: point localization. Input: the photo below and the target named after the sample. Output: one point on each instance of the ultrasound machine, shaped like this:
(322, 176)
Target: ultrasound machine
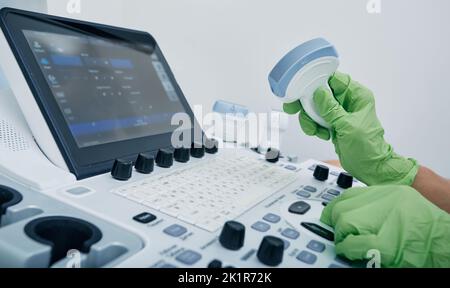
(87, 165)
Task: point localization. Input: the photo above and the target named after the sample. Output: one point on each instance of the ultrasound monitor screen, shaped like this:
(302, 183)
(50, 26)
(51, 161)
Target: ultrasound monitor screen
(107, 90)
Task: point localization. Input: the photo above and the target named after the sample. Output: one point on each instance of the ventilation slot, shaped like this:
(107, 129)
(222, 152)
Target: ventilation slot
(11, 139)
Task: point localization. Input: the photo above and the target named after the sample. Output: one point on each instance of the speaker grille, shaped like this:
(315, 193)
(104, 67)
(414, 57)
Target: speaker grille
(12, 139)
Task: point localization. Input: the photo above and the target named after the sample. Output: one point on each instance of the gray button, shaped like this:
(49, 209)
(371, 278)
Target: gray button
(310, 189)
(188, 257)
(286, 244)
(334, 173)
(272, 218)
(167, 265)
(290, 233)
(307, 257)
(316, 246)
(299, 207)
(303, 194)
(175, 230)
(78, 191)
(328, 197)
(290, 167)
(261, 226)
(332, 265)
(334, 192)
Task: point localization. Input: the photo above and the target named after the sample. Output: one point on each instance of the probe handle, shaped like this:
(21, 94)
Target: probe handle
(310, 108)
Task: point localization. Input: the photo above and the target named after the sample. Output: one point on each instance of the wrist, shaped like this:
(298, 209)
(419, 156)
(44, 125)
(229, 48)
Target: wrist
(400, 170)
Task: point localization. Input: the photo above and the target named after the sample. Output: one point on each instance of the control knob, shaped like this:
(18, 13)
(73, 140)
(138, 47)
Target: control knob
(232, 235)
(272, 155)
(181, 154)
(321, 172)
(145, 163)
(197, 150)
(345, 180)
(164, 158)
(211, 146)
(122, 169)
(271, 251)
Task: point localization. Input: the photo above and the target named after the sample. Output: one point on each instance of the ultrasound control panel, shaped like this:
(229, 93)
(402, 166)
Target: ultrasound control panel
(279, 228)
(90, 175)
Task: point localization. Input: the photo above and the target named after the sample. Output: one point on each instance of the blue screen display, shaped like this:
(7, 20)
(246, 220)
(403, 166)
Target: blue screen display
(107, 91)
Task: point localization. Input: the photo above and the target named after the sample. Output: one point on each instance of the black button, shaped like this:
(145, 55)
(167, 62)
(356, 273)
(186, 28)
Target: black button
(211, 146)
(321, 172)
(122, 169)
(144, 218)
(164, 158)
(197, 150)
(232, 235)
(345, 180)
(181, 154)
(272, 155)
(215, 264)
(271, 250)
(144, 163)
(299, 207)
(319, 230)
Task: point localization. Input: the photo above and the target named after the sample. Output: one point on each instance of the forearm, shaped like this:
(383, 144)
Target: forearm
(433, 187)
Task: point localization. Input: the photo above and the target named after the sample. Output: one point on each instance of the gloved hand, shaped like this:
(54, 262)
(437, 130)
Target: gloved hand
(407, 229)
(357, 134)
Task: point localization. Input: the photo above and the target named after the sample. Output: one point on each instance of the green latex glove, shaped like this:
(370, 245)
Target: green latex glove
(407, 229)
(357, 134)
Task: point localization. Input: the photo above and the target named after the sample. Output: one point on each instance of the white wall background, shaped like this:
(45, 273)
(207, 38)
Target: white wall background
(224, 49)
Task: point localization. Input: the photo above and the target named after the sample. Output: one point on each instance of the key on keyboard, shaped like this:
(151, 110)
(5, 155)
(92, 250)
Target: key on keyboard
(207, 194)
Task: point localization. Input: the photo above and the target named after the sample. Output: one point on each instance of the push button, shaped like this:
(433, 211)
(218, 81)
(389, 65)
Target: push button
(332, 265)
(303, 194)
(316, 246)
(78, 191)
(328, 197)
(334, 192)
(261, 226)
(175, 230)
(307, 257)
(167, 266)
(299, 207)
(290, 233)
(188, 257)
(144, 218)
(310, 189)
(272, 218)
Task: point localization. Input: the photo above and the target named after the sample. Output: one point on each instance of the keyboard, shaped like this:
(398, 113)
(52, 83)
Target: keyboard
(209, 193)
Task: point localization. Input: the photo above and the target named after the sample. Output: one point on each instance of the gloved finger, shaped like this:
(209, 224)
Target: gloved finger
(323, 133)
(292, 108)
(328, 107)
(358, 95)
(311, 128)
(307, 124)
(329, 216)
(339, 83)
(357, 247)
